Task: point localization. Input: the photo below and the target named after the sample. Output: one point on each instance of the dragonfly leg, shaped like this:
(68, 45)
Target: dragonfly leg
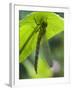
(36, 21)
(37, 29)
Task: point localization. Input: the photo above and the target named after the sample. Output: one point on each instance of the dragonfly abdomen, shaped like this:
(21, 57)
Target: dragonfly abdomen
(37, 51)
(42, 31)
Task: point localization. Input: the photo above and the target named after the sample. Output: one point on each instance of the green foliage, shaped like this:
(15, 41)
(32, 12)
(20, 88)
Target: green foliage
(55, 25)
(44, 70)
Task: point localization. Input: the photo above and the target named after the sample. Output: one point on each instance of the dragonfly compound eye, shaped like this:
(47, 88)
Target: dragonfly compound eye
(44, 24)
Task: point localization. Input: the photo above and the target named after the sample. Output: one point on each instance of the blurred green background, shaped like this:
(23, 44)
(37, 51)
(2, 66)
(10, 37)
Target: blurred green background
(56, 52)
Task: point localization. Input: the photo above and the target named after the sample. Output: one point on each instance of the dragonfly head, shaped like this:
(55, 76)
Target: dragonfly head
(44, 24)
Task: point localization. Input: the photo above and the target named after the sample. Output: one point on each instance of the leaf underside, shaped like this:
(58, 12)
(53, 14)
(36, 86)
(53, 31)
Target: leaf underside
(55, 25)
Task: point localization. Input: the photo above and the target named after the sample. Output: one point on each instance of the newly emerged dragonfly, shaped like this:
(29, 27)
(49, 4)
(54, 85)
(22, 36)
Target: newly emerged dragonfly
(41, 29)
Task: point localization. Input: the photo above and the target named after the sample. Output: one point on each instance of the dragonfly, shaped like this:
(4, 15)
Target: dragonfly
(41, 29)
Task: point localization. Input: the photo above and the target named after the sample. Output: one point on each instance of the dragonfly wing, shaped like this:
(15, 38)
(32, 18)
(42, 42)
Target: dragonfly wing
(45, 51)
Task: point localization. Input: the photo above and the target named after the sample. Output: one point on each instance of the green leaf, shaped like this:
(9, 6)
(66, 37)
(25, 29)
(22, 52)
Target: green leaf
(55, 25)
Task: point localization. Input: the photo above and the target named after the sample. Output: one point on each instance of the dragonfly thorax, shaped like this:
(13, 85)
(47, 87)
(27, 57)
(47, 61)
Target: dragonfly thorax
(44, 25)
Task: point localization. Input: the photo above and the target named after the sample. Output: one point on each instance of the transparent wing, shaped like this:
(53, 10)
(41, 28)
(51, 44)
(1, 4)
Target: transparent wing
(45, 51)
